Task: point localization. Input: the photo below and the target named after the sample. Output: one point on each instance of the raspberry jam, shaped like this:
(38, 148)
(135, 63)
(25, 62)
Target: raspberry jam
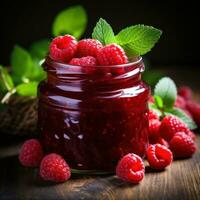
(93, 116)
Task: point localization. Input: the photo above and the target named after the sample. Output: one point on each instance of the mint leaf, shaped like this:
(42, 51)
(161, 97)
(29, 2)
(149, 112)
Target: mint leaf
(158, 101)
(183, 116)
(166, 89)
(5, 79)
(103, 32)
(39, 49)
(72, 21)
(21, 62)
(27, 89)
(138, 40)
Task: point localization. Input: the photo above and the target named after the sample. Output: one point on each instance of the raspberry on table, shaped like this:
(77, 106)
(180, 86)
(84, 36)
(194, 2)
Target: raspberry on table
(31, 153)
(84, 61)
(153, 115)
(163, 142)
(182, 145)
(192, 135)
(111, 54)
(88, 47)
(63, 48)
(185, 92)
(171, 125)
(54, 168)
(194, 108)
(130, 168)
(159, 156)
(154, 130)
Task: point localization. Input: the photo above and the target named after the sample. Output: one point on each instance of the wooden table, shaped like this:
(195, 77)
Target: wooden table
(180, 181)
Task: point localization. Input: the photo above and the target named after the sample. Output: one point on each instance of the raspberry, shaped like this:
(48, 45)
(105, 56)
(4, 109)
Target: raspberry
(88, 47)
(194, 109)
(130, 168)
(192, 135)
(63, 48)
(180, 102)
(154, 130)
(84, 61)
(170, 125)
(31, 153)
(185, 92)
(153, 115)
(159, 156)
(111, 54)
(182, 145)
(54, 168)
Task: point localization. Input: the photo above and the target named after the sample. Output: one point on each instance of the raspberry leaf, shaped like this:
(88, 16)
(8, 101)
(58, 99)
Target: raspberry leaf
(138, 40)
(103, 32)
(27, 89)
(166, 90)
(6, 82)
(153, 107)
(72, 21)
(158, 101)
(39, 49)
(183, 116)
(21, 63)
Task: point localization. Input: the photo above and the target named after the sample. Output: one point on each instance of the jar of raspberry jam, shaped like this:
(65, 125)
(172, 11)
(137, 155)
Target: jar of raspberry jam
(92, 116)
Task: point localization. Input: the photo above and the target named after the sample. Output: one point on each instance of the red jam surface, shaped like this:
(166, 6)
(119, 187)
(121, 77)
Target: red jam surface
(93, 116)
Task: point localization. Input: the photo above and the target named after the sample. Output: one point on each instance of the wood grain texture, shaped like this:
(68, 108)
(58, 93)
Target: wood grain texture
(180, 181)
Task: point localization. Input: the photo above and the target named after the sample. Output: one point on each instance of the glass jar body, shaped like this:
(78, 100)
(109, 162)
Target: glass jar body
(93, 116)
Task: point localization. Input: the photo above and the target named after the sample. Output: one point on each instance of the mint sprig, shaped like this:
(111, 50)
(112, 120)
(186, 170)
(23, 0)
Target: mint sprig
(165, 94)
(103, 32)
(138, 40)
(135, 40)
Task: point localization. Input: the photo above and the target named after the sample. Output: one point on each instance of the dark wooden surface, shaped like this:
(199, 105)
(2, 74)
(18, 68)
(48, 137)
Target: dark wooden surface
(180, 181)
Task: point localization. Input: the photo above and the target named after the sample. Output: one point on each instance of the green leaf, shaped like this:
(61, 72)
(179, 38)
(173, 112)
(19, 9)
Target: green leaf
(6, 81)
(22, 64)
(103, 32)
(27, 89)
(183, 116)
(166, 89)
(39, 49)
(138, 40)
(72, 21)
(158, 101)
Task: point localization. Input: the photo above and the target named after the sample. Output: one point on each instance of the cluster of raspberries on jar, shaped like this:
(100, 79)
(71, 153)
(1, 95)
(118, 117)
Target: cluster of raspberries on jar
(169, 138)
(86, 52)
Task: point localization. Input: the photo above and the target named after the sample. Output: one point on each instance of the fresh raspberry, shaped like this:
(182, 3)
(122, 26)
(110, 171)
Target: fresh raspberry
(88, 47)
(111, 54)
(153, 115)
(84, 61)
(170, 125)
(185, 92)
(159, 156)
(130, 168)
(54, 168)
(192, 135)
(154, 130)
(31, 153)
(180, 102)
(182, 145)
(194, 109)
(63, 48)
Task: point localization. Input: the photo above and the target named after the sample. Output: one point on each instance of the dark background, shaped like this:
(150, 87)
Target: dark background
(25, 21)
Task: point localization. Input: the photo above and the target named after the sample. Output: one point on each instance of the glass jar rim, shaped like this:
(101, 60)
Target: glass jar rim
(61, 65)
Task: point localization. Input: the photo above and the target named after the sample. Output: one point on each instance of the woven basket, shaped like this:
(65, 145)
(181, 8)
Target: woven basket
(20, 117)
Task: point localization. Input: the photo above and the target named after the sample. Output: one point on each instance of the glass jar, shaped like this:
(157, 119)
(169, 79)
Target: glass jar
(94, 115)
